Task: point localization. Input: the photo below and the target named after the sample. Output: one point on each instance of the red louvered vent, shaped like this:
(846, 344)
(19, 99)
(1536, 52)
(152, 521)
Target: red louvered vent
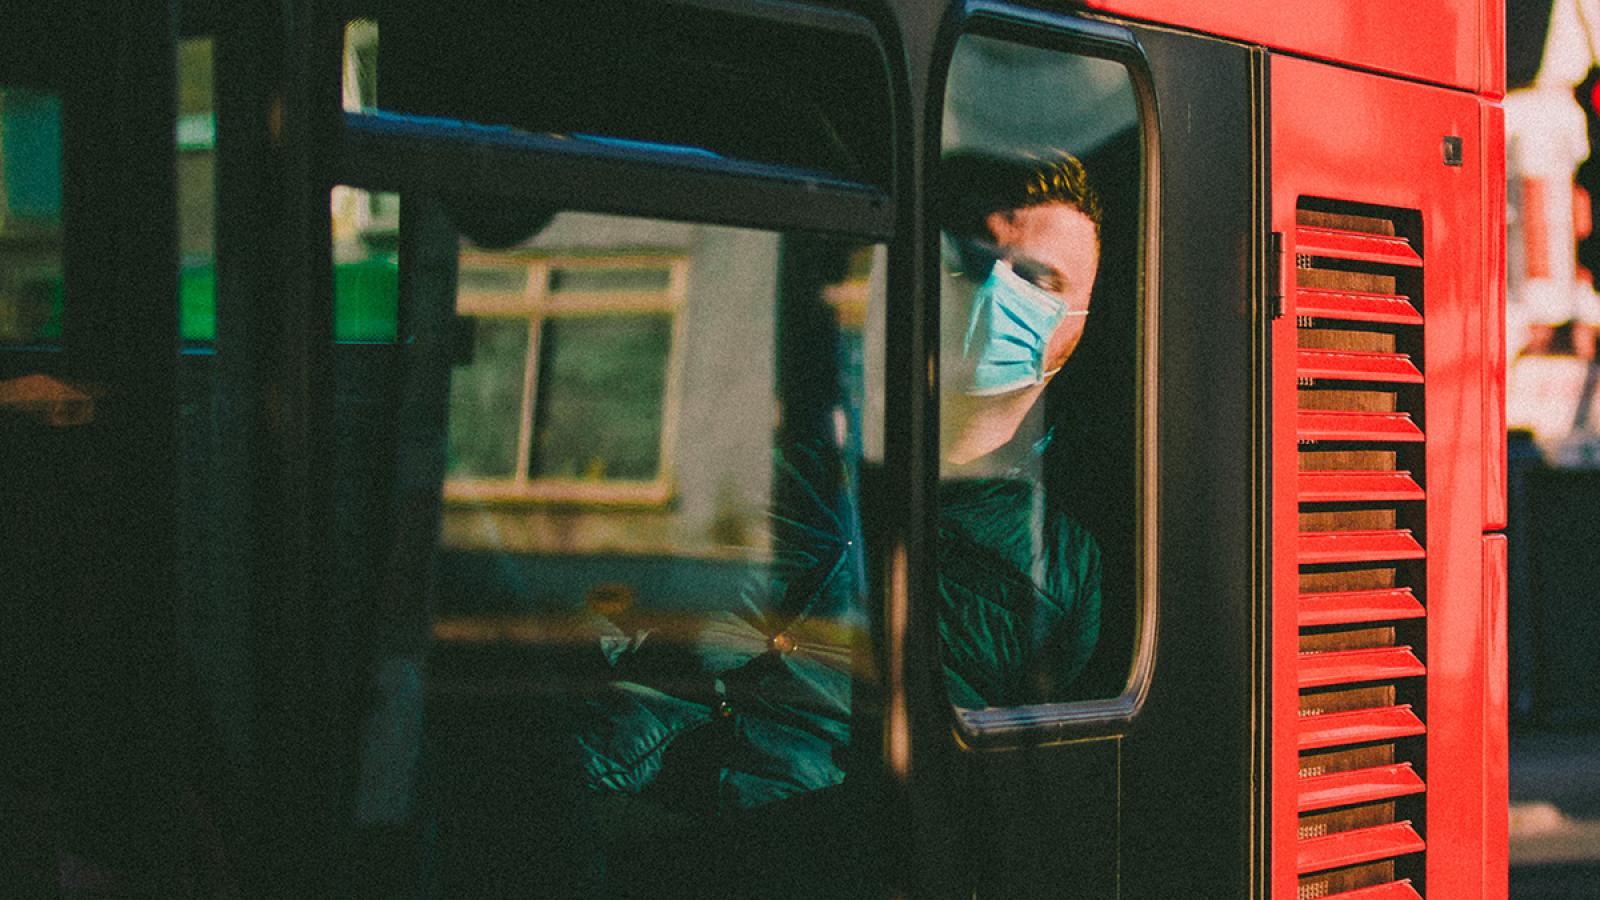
(1362, 550)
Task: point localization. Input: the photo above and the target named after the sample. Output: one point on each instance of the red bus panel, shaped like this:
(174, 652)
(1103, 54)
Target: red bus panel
(1494, 320)
(1451, 42)
(1355, 152)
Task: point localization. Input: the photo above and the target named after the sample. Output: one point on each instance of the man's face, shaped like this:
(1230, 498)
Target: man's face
(1054, 246)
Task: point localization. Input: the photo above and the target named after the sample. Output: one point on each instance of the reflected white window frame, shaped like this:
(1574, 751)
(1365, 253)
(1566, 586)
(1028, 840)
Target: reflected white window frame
(537, 303)
(358, 87)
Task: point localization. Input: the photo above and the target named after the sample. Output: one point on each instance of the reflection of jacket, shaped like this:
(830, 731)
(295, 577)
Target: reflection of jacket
(759, 696)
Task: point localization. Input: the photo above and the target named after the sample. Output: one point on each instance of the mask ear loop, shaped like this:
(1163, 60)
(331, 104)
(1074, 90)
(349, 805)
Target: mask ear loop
(1069, 314)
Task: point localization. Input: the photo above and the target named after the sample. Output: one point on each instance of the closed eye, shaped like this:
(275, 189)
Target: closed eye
(1039, 275)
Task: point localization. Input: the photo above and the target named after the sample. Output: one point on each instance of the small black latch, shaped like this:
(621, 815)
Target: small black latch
(1452, 150)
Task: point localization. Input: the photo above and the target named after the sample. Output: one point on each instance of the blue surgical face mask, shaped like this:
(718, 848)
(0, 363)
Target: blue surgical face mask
(1010, 324)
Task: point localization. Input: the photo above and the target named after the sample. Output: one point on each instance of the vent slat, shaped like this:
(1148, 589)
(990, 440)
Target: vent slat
(1351, 607)
(1357, 365)
(1359, 845)
(1356, 487)
(1357, 246)
(1343, 425)
(1353, 666)
(1358, 306)
(1359, 786)
(1355, 306)
(1384, 723)
(1358, 546)
(1394, 890)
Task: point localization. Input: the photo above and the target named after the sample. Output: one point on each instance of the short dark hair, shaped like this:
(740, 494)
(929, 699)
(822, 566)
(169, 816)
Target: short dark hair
(972, 185)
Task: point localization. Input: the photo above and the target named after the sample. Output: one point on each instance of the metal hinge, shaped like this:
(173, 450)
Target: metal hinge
(1275, 302)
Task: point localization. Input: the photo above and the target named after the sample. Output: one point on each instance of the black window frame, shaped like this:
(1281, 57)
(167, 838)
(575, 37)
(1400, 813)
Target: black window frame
(437, 166)
(1045, 723)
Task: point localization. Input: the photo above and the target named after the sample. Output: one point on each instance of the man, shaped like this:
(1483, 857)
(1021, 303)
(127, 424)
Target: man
(1019, 580)
(735, 745)
(1026, 235)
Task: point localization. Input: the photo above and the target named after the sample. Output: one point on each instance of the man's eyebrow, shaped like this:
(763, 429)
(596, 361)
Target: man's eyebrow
(1031, 269)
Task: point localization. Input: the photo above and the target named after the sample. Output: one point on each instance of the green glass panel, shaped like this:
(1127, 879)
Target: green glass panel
(197, 190)
(366, 297)
(598, 412)
(197, 303)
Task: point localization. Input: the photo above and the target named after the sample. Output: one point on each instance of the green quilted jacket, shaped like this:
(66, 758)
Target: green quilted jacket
(761, 689)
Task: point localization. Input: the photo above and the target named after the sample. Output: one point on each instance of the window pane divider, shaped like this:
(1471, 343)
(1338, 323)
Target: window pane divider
(538, 283)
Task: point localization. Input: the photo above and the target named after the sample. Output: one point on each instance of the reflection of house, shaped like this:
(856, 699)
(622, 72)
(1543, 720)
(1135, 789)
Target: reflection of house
(616, 423)
(621, 396)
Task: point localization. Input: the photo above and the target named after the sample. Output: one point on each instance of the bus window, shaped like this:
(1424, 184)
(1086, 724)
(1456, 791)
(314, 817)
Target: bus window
(197, 189)
(1038, 196)
(365, 224)
(648, 616)
(685, 80)
(366, 268)
(30, 216)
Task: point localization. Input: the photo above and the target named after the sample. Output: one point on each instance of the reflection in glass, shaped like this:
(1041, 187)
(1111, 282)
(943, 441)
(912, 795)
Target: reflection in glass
(603, 279)
(366, 271)
(1038, 194)
(197, 190)
(486, 401)
(620, 75)
(492, 279)
(360, 77)
(599, 408)
(31, 299)
(679, 663)
(587, 403)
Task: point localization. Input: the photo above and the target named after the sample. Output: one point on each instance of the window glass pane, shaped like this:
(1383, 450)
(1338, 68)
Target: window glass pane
(698, 83)
(365, 295)
(1039, 193)
(360, 82)
(507, 279)
(486, 401)
(366, 273)
(630, 279)
(646, 643)
(197, 190)
(365, 224)
(31, 298)
(601, 389)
